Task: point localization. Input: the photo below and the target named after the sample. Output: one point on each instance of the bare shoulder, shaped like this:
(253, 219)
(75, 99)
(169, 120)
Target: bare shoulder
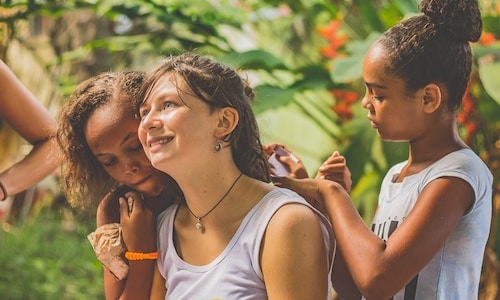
(293, 258)
(292, 218)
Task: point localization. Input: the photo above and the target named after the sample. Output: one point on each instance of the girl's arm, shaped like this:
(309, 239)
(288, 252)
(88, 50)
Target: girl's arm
(138, 234)
(381, 268)
(32, 121)
(293, 256)
(158, 291)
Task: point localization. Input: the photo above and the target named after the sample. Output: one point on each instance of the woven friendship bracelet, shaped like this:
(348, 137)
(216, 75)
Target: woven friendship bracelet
(140, 255)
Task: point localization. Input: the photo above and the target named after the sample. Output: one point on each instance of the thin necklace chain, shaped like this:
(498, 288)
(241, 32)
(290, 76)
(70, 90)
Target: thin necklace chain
(199, 225)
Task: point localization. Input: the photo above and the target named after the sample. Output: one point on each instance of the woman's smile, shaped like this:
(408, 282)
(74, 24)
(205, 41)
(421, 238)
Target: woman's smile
(156, 143)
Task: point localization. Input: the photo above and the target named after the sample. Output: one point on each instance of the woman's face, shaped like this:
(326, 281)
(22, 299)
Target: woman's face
(177, 130)
(111, 133)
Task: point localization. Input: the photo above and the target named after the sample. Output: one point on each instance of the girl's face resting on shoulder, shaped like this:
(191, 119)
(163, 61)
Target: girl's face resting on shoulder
(111, 133)
(394, 113)
(177, 128)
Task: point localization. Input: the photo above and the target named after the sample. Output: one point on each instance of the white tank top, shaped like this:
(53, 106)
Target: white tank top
(235, 273)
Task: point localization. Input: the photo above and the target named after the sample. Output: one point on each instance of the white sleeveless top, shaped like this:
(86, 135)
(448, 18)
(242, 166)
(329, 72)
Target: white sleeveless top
(455, 270)
(235, 273)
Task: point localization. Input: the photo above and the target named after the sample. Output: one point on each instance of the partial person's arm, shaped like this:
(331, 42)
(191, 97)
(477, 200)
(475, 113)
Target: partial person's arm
(31, 120)
(138, 232)
(381, 268)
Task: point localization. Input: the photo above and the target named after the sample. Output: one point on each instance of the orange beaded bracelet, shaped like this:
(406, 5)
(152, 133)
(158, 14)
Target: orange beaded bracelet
(141, 256)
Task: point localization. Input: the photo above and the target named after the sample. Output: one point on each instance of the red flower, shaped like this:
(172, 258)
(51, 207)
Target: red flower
(468, 104)
(487, 38)
(463, 117)
(471, 128)
(348, 97)
(328, 32)
(343, 111)
(335, 40)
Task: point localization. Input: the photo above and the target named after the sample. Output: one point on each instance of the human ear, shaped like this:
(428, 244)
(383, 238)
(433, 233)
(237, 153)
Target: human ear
(432, 97)
(228, 119)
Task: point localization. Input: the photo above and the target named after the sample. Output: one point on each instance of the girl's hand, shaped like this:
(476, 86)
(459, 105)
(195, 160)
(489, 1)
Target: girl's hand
(291, 162)
(335, 169)
(307, 188)
(138, 225)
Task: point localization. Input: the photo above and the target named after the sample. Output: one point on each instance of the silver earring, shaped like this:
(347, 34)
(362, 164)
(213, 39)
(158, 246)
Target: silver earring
(218, 147)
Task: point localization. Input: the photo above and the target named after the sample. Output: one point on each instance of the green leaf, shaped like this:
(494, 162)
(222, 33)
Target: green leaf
(491, 23)
(349, 69)
(314, 77)
(271, 97)
(290, 126)
(358, 151)
(407, 6)
(489, 74)
(369, 15)
(365, 194)
(489, 109)
(480, 51)
(316, 104)
(395, 152)
(255, 59)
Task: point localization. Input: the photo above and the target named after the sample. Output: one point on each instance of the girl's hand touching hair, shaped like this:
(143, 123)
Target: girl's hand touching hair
(291, 162)
(335, 169)
(138, 225)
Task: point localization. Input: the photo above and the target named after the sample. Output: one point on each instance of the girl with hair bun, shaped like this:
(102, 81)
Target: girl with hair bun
(428, 236)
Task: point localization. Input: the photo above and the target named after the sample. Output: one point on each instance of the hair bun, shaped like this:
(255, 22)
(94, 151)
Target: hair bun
(461, 19)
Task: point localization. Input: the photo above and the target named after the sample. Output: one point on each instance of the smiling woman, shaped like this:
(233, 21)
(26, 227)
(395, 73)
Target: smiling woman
(98, 134)
(197, 125)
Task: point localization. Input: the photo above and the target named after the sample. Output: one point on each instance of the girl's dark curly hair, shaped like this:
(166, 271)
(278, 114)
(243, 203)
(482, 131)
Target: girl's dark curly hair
(434, 46)
(86, 181)
(220, 86)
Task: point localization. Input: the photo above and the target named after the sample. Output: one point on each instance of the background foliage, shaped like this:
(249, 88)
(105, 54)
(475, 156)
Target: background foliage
(303, 57)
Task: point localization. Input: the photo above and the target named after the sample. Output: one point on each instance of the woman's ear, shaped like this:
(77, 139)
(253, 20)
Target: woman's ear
(432, 97)
(227, 121)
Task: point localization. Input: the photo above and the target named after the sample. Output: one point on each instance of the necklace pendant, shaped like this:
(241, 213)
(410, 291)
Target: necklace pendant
(198, 224)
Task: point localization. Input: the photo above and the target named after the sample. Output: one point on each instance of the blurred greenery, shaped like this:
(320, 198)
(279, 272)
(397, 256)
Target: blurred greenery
(49, 257)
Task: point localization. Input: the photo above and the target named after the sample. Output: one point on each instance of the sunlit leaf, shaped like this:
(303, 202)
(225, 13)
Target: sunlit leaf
(256, 59)
(290, 126)
(490, 77)
(271, 97)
